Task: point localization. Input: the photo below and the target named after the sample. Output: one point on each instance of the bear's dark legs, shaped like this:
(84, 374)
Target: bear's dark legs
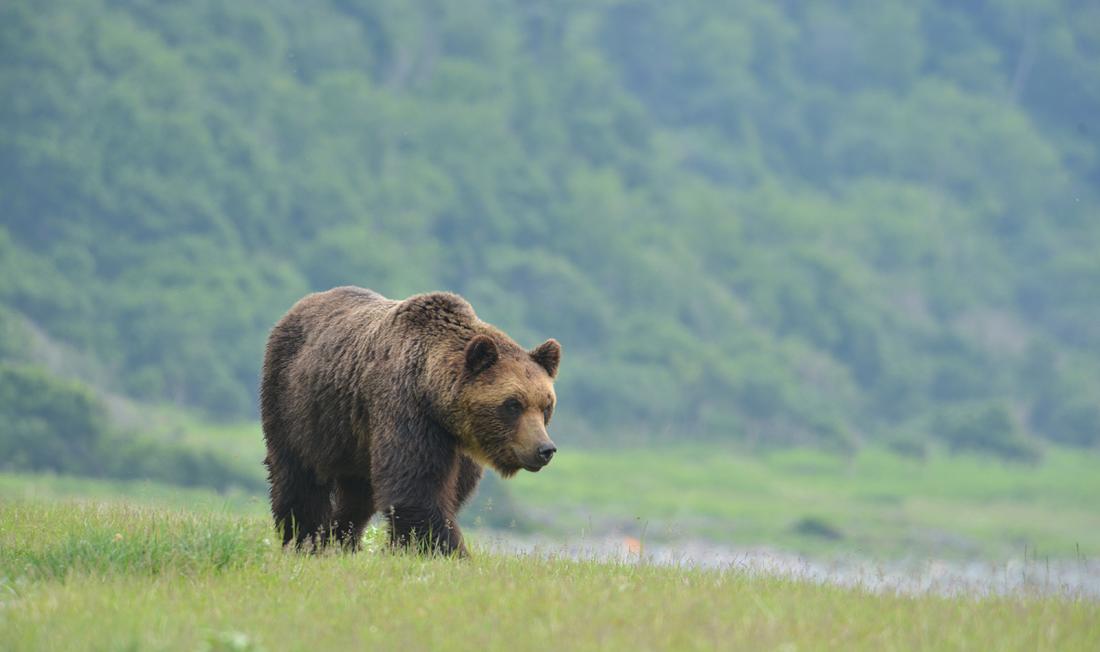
(301, 506)
(415, 486)
(469, 474)
(354, 507)
(426, 529)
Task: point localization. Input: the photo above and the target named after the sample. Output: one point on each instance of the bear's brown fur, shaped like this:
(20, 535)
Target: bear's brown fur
(370, 404)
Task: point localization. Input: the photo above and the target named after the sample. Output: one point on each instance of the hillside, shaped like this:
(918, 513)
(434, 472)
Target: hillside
(754, 221)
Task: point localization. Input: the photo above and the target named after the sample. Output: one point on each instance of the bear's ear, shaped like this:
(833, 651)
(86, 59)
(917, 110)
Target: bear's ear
(548, 355)
(481, 353)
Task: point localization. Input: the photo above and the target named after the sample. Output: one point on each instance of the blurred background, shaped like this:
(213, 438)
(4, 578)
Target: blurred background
(826, 274)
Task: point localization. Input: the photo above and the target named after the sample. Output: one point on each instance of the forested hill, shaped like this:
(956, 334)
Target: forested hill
(826, 222)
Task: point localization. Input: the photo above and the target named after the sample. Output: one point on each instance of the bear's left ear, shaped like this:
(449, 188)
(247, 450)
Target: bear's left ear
(481, 353)
(548, 355)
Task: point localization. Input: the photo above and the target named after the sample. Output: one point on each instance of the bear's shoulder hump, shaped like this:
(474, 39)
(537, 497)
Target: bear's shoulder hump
(437, 307)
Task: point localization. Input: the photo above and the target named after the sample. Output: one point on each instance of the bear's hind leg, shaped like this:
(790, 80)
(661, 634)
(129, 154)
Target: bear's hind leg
(354, 507)
(300, 504)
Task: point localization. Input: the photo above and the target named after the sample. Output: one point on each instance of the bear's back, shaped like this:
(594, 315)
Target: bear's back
(344, 308)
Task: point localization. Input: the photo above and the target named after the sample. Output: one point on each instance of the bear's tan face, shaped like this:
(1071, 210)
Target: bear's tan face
(506, 405)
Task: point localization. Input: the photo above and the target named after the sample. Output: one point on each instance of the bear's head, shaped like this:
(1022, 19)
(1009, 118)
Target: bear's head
(505, 401)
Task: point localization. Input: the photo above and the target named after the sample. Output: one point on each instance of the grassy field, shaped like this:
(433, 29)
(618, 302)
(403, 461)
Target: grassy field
(875, 504)
(112, 575)
(46, 488)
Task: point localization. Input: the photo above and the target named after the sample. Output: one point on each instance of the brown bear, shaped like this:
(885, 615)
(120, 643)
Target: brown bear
(370, 404)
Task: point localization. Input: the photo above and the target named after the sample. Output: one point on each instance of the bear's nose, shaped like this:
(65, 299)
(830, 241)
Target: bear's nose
(546, 451)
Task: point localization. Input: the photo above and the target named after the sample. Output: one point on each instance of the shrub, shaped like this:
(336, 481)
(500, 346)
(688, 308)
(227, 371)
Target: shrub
(986, 427)
(52, 424)
(47, 423)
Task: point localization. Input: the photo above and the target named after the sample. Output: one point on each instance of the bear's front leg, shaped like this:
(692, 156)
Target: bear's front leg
(413, 473)
(426, 529)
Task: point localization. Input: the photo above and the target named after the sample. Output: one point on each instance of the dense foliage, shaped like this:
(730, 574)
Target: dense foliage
(780, 222)
(61, 426)
(49, 424)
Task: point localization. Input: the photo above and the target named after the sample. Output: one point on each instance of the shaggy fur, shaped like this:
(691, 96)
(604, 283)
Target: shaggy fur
(370, 404)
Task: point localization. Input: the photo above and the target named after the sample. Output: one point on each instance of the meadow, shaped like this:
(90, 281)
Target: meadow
(873, 503)
(112, 574)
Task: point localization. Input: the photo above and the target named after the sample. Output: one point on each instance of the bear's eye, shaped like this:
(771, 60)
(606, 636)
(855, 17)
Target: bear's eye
(546, 415)
(512, 407)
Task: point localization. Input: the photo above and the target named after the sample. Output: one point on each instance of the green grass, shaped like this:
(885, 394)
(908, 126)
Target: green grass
(876, 504)
(42, 487)
(879, 504)
(118, 576)
(240, 441)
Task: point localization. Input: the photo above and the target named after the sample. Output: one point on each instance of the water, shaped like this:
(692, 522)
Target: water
(1078, 578)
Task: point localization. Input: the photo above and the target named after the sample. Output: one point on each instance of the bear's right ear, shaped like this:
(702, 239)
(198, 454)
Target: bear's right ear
(481, 353)
(548, 355)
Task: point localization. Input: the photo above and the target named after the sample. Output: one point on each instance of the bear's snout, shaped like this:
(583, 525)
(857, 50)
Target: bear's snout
(546, 451)
(538, 456)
